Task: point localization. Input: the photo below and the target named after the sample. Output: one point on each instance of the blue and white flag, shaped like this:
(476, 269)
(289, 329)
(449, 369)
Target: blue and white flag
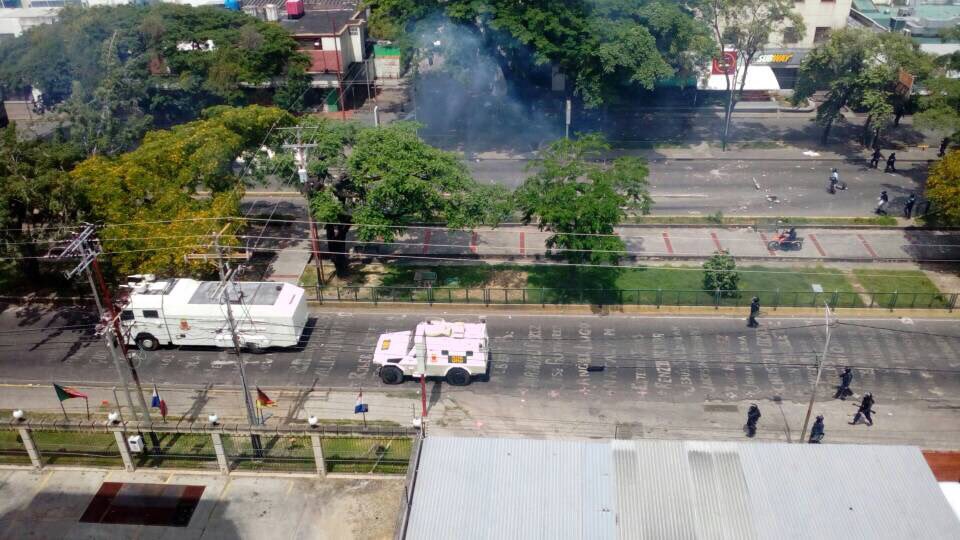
(155, 400)
(360, 407)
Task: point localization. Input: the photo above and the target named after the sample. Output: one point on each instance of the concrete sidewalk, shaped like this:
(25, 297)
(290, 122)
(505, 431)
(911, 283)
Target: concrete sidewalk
(474, 411)
(49, 504)
(517, 242)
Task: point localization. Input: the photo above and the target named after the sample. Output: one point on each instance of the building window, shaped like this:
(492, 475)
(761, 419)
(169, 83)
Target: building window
(354, 30)
(151, 314)
(821, 34)
(126, 315)
(790, 35)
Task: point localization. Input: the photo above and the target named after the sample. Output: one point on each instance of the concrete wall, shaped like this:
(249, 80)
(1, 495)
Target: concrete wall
(819, 13)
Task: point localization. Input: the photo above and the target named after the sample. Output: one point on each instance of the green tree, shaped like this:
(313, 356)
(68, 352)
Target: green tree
(943, 188)
(745, 27)
(143, 47)
(37, 196)
(940, 109)
(720, 272)
(109, 119)
(859, 68)
(580, 200)
(605, 46)
(147, 198)
(376, 181)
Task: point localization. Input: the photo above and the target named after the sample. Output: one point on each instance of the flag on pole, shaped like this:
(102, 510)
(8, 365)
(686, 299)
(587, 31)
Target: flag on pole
(263, 400)
(360, 407)
(158, 402)
(65, 392)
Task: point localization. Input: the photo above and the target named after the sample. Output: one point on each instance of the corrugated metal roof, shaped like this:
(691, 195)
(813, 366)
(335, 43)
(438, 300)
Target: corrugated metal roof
(505, 488)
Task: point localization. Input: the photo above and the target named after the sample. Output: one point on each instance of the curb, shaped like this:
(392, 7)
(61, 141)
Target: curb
(583, 309)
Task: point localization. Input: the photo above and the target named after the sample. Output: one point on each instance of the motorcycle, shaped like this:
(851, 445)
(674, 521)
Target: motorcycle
(783, 242)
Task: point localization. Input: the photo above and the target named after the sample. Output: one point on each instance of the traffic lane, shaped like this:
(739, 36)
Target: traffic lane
(644, 358)
(786, 187)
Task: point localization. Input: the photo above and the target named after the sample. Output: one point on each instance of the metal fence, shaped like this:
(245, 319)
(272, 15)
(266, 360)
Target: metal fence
(277, 453)
(639, 297)
(292, 449)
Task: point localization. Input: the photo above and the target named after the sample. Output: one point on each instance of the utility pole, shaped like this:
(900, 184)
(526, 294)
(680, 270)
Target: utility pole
(226, 283)
(820, 361)
(85, 246)
(300, 149)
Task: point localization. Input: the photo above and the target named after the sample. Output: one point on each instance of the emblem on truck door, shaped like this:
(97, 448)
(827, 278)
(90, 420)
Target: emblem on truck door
(184, 325)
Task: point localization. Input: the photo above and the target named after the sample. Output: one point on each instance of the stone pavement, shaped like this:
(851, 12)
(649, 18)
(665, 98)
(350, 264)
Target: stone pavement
(48, 505)
(514, 242)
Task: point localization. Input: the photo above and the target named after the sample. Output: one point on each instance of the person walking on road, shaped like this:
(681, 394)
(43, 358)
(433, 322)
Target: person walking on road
(875, 158)
(754, 312)
(891, 163)
(816, 432)
(908, 206)
(865, 410)
(834, 180)
(882, 203)
(943, 147)
(843, 391)
(753, 416)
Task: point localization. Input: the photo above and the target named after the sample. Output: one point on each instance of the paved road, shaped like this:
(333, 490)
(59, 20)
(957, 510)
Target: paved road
(653, 359)
(704, 186)
(701, 186)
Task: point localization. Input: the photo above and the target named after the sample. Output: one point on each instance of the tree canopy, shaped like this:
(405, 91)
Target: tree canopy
(604, 46)
(940, 108)
(146, 199)
(859, 68)
(37, 195)
(580, 200)
(123, 64)
(943, 188)
(380, 180)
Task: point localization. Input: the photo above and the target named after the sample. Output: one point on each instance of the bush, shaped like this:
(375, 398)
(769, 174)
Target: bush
(720, 272)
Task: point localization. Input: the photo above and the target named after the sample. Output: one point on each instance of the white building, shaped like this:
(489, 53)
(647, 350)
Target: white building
(820, 17)
(14, 21)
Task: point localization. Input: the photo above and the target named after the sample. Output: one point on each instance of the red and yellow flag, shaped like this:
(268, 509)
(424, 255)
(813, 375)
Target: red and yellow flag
(263, 400)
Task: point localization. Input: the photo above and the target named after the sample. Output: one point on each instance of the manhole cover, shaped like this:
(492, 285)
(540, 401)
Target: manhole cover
(720, 407)
(143, 504)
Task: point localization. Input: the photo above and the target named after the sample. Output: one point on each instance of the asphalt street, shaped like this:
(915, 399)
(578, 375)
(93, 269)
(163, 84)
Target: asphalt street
(703, 186)
(787, 187)
(647, 359)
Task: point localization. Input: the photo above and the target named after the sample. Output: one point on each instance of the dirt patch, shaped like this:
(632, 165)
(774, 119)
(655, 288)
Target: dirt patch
(361, 509)
(944, 277)
(508, 279)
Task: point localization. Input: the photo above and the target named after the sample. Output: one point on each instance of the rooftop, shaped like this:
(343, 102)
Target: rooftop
(319, 21)
(513, 488)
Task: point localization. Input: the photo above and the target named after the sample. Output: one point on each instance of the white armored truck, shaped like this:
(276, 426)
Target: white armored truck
(191, 312)
(457, 351)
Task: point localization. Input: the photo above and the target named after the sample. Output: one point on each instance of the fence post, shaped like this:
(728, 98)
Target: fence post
(374, 295)
(221, 455)
(319, 294)
(318, 454)
(124, 451)
(659, 297)
(835, 301)
(542, 303)
(952, 303)
(486, 296)
(30, 447)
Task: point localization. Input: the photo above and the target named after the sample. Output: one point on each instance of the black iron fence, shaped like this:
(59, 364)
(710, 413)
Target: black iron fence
(770, 299)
